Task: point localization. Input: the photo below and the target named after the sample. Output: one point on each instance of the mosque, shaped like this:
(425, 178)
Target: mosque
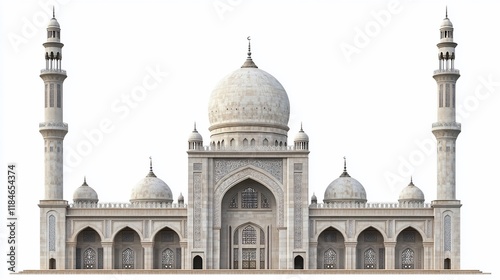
(248, 203)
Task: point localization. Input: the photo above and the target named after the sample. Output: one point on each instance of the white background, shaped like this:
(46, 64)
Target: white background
(374, 105)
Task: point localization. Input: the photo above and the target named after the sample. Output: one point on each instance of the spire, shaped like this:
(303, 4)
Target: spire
(53, 12)
(446, 12)
(301, 130)
(249, 62)
(345, 174)
(195, 127)
(84, 180)
(151, 174)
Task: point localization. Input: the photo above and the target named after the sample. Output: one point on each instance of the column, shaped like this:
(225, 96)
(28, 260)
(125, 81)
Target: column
(283, 248)
(216, 251)
(148, 254)
(428, 255)
(71, 258)
(350, 255)
(313, 255)
(107, 252)
(390, 257)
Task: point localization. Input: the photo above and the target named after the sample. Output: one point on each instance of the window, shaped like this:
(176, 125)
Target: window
(51, 95)
(408, 259)
(59, 96)
(234, 202)
(264, 203)
(89, 259)
(448, 97)
(440, 95)
(370, 259)
(330, 259)
(128, 259)
(249, 235)
(249, 198)
(167, 259)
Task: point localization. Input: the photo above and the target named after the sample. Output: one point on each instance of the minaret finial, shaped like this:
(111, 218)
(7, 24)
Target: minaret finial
(194, 127)
(345, 165)
(301, 130)
(84, 180)
(447, 11)
(249, 49)
(150, 164)
(53, 11)
(411, 180)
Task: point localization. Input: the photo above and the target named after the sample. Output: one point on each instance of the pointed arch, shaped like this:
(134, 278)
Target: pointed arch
(78, 230)
(244, 173)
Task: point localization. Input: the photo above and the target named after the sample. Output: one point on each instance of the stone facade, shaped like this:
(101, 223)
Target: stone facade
(248, 194)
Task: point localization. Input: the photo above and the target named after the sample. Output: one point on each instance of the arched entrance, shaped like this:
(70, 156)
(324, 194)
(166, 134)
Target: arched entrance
(409, 249)
(89, 252)
(370, 250)
(248, 217)
(127, 249)
(298, 262)
(197, 262)
(167, 250)
(331, 250)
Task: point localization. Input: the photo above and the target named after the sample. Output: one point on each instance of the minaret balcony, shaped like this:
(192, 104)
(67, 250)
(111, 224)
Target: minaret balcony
(53, 125)
(446, 71)
(446, 126)
(51, 71)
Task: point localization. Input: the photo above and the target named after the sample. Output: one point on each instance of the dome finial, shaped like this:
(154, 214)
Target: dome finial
(411, 179)
(446, 11)
(53, 11)
(150, 164)
(249, 49)
(84, 180)
(301, 130)
(249, 62)
(345, 165)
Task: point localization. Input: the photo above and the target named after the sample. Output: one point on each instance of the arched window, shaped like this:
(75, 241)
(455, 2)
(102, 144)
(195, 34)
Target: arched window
(330, 259)
(89, 259)
(167, 259)
(52, 231)
(197, 262)
(249, 235)
(128, 259)
(408, 259)
(370, 259)
(252, 142)
(447, 233)
(265, 142)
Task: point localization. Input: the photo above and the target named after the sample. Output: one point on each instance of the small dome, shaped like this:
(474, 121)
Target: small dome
(53, 23)
(446, 23)
(301, 136)
(151, 189)
(195, 136)
(314, 199)
(180, 198)
(411, 193)
(84, 193)
(345, 189)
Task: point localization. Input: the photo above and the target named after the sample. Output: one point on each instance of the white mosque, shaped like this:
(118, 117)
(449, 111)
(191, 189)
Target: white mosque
(248, 194)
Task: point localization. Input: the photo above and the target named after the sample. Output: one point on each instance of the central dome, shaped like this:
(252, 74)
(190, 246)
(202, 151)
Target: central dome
(247, 103)
(249, 96)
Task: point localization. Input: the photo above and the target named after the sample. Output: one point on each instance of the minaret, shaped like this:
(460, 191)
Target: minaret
(446, 129)
(53, 129)
(53, 207)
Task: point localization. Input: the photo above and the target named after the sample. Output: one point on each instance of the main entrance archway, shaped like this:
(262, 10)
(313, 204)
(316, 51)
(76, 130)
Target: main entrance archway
(248, 217)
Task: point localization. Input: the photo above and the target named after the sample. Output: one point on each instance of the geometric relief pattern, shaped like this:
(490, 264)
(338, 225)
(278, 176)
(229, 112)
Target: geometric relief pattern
(128, 259)
(297, 180)
(88, 236)
(167, 259)
(370, 258)
(408, 259)
(249, 198)
(409, 236)
(330, 259)
(89, 259)
(238, 177)
(197, 209)
(370, 236)
(447, 233)
(225, 166)
(52, 233)
(249, 258)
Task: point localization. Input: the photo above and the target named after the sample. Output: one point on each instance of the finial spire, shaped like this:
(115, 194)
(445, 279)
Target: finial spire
(150, 164)
(249, 48)
(84, 180)
(53, 11)
(345, 174)
(345, 165)
(301, 130)
(447, 11)
(411, 180)
(194, 127)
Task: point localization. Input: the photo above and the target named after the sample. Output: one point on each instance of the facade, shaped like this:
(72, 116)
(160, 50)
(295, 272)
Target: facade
(248, 195)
